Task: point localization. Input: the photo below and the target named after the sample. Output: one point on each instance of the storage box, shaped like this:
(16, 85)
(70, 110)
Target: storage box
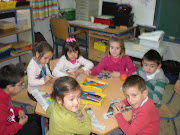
(7, 5)
(104, 21)
(68, 13)
(93, 85)
(86, 101)
(100, 45)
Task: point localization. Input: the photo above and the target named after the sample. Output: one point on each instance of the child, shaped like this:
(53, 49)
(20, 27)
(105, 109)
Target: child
(154, 76)
(66, 101)
(38, 72)
(116, 61)
(71, 61)
(145, 117)
(13, 120)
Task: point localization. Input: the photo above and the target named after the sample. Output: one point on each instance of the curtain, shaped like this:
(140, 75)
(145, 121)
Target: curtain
(44, 9)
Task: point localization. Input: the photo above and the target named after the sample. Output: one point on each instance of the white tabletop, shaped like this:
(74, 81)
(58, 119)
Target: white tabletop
(135, 50)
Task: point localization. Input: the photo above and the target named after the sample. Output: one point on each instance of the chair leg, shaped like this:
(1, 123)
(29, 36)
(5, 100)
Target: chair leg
(42, 125)
(56, 46)
(174, 126)
(86, 46)
(171, 98)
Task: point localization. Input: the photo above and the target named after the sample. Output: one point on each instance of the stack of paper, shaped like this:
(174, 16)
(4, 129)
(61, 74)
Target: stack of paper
(152, 39)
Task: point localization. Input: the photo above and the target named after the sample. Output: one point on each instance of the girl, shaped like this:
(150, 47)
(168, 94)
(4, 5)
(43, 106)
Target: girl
(115, 61)
(38, 72)
(69, 63)
(61, 111)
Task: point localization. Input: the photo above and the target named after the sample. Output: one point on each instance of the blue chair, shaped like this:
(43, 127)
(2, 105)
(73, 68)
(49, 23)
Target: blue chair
(165, 113)
(60, 31)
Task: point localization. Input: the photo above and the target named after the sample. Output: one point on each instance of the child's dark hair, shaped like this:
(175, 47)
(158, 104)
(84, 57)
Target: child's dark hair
(70, 46)
(121, 43)
(134, 81)
(42, 47)
(64, 85)
(153, 55)
(10, 74)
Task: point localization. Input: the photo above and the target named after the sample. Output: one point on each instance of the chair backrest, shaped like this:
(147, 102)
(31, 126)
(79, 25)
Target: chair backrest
(60, 28)
(52, 63)
(177, 87)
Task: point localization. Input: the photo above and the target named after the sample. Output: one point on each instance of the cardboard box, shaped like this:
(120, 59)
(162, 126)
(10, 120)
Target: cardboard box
(100, 45)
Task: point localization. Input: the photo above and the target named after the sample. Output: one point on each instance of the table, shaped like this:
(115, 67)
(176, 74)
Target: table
(97, 34)
(112, 91)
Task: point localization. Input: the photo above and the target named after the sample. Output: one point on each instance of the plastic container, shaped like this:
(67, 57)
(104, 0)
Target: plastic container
(93, 85)
(7, 5)
(100, 45)
(84, 101)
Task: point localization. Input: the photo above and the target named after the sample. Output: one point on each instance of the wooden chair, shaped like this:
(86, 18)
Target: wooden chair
(52, 63)
(164, 111)
(23, 100)
(60, 31)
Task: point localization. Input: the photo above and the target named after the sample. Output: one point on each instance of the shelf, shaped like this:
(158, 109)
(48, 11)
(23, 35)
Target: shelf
(13, 32)
(11, 57)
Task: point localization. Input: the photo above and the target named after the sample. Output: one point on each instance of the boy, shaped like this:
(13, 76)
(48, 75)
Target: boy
(12, 82)
(154, 76)
(145, 117)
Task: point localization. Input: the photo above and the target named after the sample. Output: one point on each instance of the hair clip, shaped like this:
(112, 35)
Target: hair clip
(113, 36)
(58, 90)
(70, 39)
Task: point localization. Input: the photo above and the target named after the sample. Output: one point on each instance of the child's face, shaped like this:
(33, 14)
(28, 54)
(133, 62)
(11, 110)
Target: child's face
(135, 97)
(150, 66)
(72, 100)
(72, 54)
(115, 49)
(45, 58)
(17, 87)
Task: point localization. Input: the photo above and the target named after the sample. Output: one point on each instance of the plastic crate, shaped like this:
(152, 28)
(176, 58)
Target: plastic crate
(68, 13)
(7, 5)
(93, 85)
(100, 45)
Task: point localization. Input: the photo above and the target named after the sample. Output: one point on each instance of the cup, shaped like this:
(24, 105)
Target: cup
(92, 19)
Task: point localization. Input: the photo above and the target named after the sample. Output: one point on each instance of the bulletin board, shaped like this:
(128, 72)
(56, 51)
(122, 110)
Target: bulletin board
(167, 17)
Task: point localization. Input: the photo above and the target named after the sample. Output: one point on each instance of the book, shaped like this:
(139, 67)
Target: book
(21, 46)
(4, 47)
(42, 98)
(109, 113)
(103, 75)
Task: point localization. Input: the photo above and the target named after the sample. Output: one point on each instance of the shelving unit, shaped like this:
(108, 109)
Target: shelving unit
(22, 33)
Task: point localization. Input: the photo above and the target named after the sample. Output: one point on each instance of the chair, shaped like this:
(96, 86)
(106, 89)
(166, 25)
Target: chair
(23, 100)
(60, 30)
(52, 63)
(164, 111)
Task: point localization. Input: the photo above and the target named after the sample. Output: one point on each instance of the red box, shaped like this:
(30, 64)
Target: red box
(104, 21)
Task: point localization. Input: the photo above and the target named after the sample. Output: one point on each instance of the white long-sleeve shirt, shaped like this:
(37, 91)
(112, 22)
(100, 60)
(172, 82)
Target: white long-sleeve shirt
(33, 71)
(65, 65)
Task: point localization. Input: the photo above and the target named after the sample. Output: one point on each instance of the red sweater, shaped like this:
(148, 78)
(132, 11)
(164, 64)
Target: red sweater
(146, 120)
(124, 66)
(8, 124)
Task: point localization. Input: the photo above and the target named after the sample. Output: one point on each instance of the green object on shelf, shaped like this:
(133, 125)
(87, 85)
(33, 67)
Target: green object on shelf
(67, 13)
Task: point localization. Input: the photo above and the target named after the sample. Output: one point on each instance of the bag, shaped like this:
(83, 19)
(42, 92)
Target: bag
(171, 67)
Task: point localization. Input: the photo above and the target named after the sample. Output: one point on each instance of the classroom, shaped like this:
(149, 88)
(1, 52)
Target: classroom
(142, 24)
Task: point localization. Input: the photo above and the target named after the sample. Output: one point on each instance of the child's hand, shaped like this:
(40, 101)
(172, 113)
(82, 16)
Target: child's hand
(88, 72)
(21, 114)
(73, 76)
(118, 107)
(48, 78)
(114, 74)
(23, 120)
(83, 111)
(79, 71)
(79, 118)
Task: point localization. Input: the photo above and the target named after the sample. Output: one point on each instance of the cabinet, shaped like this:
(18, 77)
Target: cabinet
(23, 21)
(86, 8)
